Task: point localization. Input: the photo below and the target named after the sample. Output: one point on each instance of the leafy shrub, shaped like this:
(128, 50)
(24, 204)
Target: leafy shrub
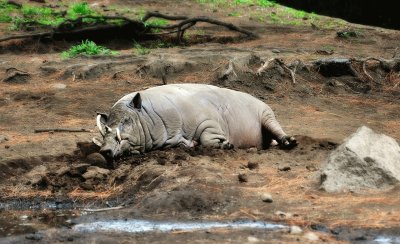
(87, 48)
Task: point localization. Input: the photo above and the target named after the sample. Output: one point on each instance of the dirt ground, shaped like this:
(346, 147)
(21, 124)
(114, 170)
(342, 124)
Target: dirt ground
(37, 169)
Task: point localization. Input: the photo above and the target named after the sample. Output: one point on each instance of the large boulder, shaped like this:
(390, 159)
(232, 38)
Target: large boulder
(366, 160)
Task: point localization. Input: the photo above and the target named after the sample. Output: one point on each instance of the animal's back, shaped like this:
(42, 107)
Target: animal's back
(186, 106)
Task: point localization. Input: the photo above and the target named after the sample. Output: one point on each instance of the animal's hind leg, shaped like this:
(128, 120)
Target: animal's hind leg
(273, 127)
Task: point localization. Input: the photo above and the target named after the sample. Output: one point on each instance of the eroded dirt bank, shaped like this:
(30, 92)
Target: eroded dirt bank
(53, 170)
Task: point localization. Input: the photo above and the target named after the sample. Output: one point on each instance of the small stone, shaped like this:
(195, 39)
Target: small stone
(59, 86)
(311, 236)
(295, 230)
(284, 168)
(62, 171)
(252, 165)
(266, 197)
(252, 239)
(3, 138)
(243, 177)
(283, 214)
(23, 217)
(79, 169)
(275, 51)
(34, 237)
(96, 159)
(87, 186)
(252, 150)
(94, 172)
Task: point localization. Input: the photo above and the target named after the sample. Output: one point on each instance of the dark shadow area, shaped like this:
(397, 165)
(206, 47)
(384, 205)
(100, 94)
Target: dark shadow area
(368, 12)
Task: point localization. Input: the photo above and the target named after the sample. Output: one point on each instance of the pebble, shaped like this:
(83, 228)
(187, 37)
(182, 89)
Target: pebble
(294, 229)
(275, 51)
(62, 171)
(311, 236)
(59, 86)
(23, 217)
(266, 197)
(34, 237)
(252, 239)
(252, 150)
(283, 214)
(243, 177)
(284, 168)
(3, 138)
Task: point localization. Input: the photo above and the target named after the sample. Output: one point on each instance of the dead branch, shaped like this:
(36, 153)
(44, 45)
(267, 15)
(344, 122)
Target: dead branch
(265, 66)
(149, 15)
(74, 26)
(230, 70)
(291, 72)
(61, 130)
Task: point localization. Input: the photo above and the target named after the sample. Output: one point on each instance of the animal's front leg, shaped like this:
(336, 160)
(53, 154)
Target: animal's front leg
(214, 137)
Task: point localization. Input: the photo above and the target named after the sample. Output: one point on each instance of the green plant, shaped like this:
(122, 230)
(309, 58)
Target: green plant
(234, 14)
(298, 14)
(140, 49)
(87, 48)
(32, 15)
(79, 9)
(266, 3)
(5, 11)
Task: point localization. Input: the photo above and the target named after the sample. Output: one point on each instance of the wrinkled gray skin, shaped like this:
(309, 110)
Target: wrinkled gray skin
(190, 115)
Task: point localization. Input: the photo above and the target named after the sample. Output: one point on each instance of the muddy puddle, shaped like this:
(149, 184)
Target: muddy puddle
(40, 223)
(138, 226)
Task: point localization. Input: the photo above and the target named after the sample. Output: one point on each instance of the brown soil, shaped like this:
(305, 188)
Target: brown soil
(197, 183)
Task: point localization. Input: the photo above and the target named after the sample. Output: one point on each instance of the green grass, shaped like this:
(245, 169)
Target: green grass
(30, 15)
(139, 49)
(79, 9)
(88, 48)
(234, 14)
(5, 11)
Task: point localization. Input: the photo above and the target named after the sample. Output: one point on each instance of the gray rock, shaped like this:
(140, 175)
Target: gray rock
(266, 197)
(79, 169)
(62, 171)
(3, 138)
(311, 236)
(366, 160)
(94, 172)
(295, 230)
(36, 175)
(59, 86)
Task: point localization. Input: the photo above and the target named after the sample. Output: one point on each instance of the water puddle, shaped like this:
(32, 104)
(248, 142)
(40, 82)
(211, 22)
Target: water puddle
(138, 226)
(387, 239)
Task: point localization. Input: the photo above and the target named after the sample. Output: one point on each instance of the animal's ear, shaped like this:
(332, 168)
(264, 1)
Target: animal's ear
(136, 101)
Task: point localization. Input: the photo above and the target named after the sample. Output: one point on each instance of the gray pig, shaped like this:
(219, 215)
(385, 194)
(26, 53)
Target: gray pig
(189, 115)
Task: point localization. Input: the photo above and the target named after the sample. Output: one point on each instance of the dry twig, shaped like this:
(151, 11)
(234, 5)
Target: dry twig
(61, 130)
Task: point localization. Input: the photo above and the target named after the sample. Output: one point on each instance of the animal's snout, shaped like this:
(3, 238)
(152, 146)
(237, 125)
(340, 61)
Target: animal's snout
(107, 153)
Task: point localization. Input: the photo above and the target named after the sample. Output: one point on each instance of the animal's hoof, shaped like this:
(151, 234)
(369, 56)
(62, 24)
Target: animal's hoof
(227, 146)
(288, 142)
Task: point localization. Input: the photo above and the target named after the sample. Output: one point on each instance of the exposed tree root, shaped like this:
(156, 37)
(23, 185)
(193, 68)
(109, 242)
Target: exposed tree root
(78, 26)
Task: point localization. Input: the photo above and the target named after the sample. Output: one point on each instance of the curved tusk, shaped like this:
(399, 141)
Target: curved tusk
(108, 128)
(99, 125)
(96, 141)
(119, 135)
